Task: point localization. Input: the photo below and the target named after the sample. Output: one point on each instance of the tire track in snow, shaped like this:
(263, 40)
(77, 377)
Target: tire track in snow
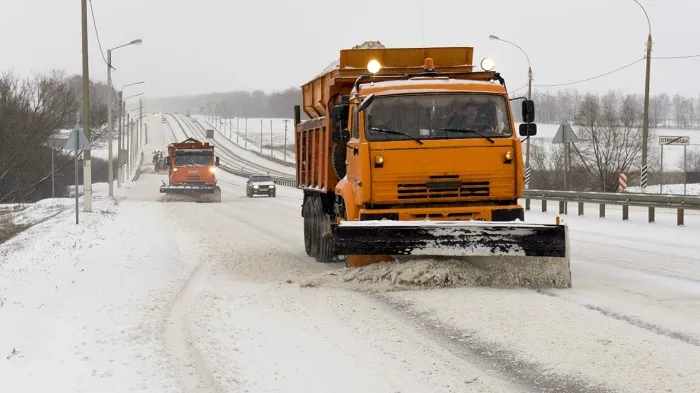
(656, 329)
(530, 375)
(189, 364)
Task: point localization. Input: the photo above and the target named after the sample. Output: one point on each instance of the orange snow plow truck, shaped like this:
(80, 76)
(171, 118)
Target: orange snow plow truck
(192, 171)
(412, 151)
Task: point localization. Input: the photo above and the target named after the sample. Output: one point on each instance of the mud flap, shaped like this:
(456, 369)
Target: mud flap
(450, 238)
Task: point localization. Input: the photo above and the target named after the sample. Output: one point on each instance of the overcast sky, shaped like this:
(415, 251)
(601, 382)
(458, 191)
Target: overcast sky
(199, 46)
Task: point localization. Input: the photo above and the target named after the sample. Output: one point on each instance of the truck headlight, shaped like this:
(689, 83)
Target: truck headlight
(509, 155)
(487, 64)
(212, 169)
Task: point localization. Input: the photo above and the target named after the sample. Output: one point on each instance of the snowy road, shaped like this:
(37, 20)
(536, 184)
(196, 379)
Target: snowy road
(207, 298)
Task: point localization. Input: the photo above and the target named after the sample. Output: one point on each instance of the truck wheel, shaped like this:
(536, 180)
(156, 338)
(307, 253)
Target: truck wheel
(326, 252)
(217, 195)
(314, 226)
(307, 229)
(338, 155)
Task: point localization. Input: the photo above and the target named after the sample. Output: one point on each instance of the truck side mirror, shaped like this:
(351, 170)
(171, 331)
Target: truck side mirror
(339, 116)
(528, 111)
(217, 161)
(528, 129)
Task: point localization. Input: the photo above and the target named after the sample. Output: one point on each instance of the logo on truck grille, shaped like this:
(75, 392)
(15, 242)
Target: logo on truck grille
(193, 172)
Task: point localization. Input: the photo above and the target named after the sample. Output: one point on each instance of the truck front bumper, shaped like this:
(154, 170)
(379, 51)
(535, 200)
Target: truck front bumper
(466, 213)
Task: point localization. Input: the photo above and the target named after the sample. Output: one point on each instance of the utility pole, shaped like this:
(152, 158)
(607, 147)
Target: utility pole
(119, 144)
(271, 144)
(127, 137)
(237, 122)
(645, 128)
(140, 138)
(110, 139)
(261, 141)
(87, 168)
(285, 139)
(246, 133)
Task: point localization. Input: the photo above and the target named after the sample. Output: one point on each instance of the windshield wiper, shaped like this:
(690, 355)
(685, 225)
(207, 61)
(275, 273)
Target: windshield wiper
(397, 133)
(470, 131)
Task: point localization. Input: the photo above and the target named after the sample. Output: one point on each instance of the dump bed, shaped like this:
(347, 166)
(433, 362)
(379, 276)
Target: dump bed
(313, 137)
(353, 63)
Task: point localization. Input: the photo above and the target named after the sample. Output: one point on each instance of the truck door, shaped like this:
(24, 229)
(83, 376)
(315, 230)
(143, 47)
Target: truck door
(358, 160)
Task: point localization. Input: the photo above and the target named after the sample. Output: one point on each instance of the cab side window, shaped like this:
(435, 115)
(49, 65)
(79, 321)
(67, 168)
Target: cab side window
(355, 121)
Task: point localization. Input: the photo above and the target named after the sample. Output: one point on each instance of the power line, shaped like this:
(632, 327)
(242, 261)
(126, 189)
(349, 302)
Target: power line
(594, 77)
(674, 57)
(94, 22)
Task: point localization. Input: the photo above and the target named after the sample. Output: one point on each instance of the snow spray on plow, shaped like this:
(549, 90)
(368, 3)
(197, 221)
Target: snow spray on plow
(537, 253)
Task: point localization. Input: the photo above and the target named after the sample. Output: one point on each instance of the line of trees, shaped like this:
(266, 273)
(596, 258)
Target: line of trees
(33, 109)
(664, 111)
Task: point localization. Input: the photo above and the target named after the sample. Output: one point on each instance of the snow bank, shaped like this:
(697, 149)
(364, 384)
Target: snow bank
(417, 274)
(82, 306)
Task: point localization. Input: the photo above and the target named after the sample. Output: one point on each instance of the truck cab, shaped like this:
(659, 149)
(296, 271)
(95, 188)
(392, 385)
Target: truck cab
(430, 147)
(192, 170)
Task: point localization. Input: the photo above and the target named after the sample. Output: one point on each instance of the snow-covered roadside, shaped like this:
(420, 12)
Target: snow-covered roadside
(84, 306)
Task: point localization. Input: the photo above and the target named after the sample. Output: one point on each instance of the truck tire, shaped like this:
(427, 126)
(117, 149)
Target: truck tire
(307, 228)
(326, 252)
(314, 226)
(338, 155)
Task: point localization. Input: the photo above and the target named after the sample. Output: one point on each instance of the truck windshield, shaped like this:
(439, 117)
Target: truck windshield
(437, 116)
(197, 159)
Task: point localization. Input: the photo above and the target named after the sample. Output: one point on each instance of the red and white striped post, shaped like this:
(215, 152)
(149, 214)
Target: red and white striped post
(622, 181)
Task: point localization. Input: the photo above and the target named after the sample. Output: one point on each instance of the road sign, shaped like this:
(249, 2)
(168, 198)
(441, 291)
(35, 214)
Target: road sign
(56, 143)
(622, 181)
(82, 141)
(565, 134)
(674, 140)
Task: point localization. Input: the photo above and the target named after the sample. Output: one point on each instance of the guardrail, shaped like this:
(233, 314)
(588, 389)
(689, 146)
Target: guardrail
(650, 201)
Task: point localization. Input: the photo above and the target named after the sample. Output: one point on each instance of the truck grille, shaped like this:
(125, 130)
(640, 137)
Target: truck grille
(443, 187)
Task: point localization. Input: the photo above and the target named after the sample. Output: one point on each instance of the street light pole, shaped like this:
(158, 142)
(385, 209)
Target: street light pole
(119, 142)
(645, 127)
(121, 161)
(529, 97)
(87, 170)
(110, 126)
(110, 168)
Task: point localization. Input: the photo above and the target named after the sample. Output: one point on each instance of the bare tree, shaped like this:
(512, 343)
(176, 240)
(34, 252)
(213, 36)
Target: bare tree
(31, 111)
(611, 138)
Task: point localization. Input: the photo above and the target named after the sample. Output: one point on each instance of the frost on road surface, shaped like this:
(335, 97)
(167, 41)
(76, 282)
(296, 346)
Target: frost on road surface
(193, 297)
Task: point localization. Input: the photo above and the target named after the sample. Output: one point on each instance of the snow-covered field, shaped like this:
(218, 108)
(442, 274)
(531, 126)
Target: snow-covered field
(246, 132)
(151, 296)
(673, 155)
(674, 189)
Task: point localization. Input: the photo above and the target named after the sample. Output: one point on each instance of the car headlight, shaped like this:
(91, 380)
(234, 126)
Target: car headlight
(272, 186)
(255, 186)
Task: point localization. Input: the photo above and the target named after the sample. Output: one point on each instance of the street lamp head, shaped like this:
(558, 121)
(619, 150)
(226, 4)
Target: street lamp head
(136, 42)
(493, 37)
